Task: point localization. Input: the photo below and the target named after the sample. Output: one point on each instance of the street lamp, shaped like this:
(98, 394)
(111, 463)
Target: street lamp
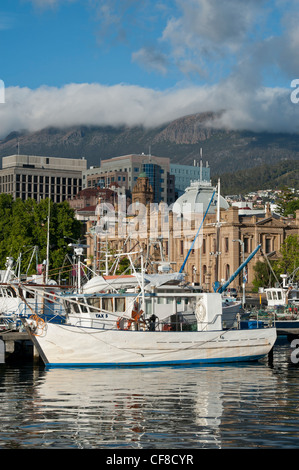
(243, 259)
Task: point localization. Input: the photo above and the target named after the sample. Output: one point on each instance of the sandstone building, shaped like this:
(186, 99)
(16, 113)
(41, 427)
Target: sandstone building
(238, 234)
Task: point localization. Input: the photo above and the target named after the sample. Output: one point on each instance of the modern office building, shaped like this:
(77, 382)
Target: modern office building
(125, 170)
(168, 180)
(29, 176)
(185, 174)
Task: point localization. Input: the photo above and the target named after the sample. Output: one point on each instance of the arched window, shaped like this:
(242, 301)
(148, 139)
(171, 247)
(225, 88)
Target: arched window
(194, 273)
(204, 272)
(227, 271)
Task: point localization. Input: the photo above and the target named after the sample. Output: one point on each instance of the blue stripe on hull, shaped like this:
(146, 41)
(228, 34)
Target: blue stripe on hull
(162, 363)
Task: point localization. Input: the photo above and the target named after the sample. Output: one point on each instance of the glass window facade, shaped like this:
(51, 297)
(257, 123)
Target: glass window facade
(153, 173)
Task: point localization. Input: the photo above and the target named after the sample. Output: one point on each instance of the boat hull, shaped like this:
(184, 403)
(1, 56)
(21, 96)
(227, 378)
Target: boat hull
(72, 346)
(285, 327)
(229, 313)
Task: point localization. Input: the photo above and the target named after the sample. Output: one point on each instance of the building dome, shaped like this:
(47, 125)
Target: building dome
(197, 197)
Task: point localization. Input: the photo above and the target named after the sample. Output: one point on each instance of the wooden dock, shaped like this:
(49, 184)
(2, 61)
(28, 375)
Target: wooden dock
(16, 346)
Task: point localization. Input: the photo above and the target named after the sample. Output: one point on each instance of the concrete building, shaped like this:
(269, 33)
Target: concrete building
(124, 170)
(185, 174)
(29, 176)
(168, 180)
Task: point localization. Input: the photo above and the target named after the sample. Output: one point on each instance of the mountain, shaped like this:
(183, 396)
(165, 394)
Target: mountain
(277, 176)
(228, 152)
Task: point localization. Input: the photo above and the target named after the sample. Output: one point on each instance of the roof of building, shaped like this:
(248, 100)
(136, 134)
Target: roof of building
(197, 198)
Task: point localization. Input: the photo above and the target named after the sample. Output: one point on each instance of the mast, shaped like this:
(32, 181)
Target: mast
(48, 245)
(218, 225)
(198, 231)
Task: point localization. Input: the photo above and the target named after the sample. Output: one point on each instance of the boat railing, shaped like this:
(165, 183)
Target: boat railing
(175, 322)
(8, 322)
(53, 313)
(270, 315)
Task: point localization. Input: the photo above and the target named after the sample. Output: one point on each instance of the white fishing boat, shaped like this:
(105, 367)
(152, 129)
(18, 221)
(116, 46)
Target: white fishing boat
(129, 327)
(16, 300)
(283, 307)
(283, 296)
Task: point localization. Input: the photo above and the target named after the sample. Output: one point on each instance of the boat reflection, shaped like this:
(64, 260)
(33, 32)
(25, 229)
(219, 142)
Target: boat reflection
(163, 407)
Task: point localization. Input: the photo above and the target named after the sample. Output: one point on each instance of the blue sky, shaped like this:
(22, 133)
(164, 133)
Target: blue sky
(127, 62)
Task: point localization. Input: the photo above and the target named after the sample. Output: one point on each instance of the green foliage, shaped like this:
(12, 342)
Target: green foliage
(288, 203)
(262, 276)
(24, 224)
(267, 176)
(286, 264)
(289, 260)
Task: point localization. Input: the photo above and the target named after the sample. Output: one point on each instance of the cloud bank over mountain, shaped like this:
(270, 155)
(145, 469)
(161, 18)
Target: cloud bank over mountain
(237, 56)
(129, 105)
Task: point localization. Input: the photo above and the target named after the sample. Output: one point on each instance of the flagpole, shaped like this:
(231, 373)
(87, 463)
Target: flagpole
(48, 244)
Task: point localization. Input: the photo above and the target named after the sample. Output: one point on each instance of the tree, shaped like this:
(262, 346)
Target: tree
(288, 203)
(262, 277)
(24, 225)
(289, 260)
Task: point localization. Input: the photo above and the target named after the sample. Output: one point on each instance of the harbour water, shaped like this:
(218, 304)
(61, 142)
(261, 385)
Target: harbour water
(248, 406)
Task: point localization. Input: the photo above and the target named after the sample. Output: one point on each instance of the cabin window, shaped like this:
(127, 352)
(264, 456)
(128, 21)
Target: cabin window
(94, 302)
(120, 304)
(274, 295)
(84, 308)
(148, 308)
(269, 295)
(75, 307)
(107, 305)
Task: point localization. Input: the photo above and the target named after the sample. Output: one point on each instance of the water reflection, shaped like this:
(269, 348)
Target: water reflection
(250, 405)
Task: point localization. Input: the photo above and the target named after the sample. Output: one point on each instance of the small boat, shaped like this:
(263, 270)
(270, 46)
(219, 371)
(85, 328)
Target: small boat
(16, 300)
(282, 309)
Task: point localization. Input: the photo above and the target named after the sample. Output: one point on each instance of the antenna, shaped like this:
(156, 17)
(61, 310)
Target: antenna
(200, 164)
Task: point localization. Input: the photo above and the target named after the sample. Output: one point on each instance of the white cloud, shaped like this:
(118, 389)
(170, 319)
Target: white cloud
(95, 104)
(152, 59)
(209, 29)
(218, 23)
(44, 4)
(227, 40)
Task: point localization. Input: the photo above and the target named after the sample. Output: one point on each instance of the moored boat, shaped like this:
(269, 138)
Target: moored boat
(129, 329)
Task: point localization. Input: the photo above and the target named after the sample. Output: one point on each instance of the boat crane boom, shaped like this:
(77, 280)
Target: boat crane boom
(226, 284)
